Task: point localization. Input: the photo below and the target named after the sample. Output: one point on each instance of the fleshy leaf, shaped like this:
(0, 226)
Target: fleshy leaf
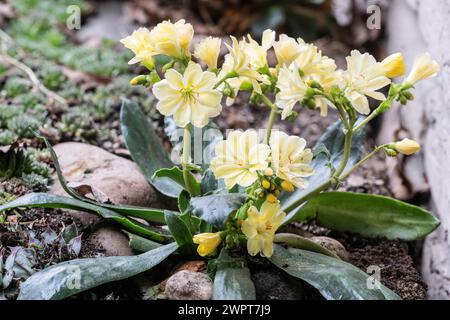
(332, 141)
(44, 200)
(335, 279)
(145, 146)
(215, 209)
(370, 215)
(71, 277)
(232, 280)
(176, 175)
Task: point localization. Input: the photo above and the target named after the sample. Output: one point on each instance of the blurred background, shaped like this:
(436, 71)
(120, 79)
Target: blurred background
(71, 48)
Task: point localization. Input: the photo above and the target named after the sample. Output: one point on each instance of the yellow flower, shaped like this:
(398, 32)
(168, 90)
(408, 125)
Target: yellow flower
(239, 61)
(260, 227)
(190, 98)
(424, 67)
(207, 242)
(393, 66)
(258, 53)
(407, 147)
(141, 44)
(311, 62)
(292, 89)
(239, 158)
(364, 76)
(290, 159)
(172, 39)
(287, 186)
(208, 51)
(286, 50)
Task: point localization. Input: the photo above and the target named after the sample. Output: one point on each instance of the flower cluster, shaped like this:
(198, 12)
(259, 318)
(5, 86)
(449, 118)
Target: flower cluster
(191, 87)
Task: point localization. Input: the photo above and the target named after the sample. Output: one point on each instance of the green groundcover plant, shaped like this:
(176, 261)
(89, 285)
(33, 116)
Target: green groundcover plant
(232, 206)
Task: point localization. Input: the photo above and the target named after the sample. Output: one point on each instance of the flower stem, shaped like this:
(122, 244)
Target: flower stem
(229, 75)
(346, 156)
(272, 117)
(328, 183)
(185, 160)
(367, 157)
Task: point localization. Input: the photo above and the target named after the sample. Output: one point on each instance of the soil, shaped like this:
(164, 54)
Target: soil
(395, 258)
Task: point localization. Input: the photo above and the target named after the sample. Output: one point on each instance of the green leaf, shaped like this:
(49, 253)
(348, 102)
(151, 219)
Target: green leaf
(139, 243)
(178, 228)
(71, 277)
(183, 201)
(216, 208)
(44, 200)
(176, 175)
(148, 214)
(370, 215)
(233, 280)
(299, 242)
(145, 146)
(333, 141)
(335, 279)
(210, 184)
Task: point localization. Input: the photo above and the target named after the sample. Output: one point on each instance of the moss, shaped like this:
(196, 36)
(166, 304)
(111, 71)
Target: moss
(15, 86)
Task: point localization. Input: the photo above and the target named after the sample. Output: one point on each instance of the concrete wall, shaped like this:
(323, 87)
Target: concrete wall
(413, 27)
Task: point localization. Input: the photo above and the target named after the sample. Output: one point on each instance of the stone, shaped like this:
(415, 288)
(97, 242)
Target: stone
(333, 245)
(111, 176)
(111, 241)
(427, 120)
(189, 285)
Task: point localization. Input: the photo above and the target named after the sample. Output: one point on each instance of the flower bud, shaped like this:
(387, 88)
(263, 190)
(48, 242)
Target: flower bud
(393, 66)
(314, 84)
(139, 80)
(424, 67)
(287, 186)
(268, 172)
(208, 242)
(271, 198)
(406, 147)
(309, 103)
(265, 184)
(208, 51)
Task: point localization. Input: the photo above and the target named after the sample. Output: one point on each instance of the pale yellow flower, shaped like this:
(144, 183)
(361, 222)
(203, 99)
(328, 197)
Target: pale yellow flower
(190, 97)
(287, 50)
(208, 51)
(327, 81)
(141, 44)
(258, 53)
(393, 66)
(407, 147)
(260, 227)
(292, 89)
(424, 67)
(312, 63)
(172, 39)
(364, 76)
(240, 62)
(239, 158)
(207, 242)
(290, 160)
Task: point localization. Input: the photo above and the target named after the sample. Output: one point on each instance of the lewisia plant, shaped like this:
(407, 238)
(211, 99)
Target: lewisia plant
(239, 204)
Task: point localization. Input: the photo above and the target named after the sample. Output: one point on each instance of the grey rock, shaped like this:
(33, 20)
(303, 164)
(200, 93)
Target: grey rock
(111, 240)
(333, 245)
(113, 177)
(415, 27)
(189, 285)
